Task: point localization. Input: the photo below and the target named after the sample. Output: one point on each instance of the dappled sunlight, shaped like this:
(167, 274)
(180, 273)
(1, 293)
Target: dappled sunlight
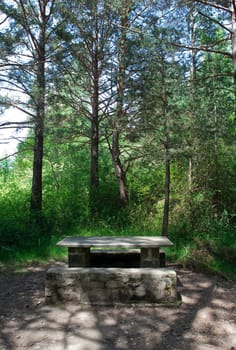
(205, 320)
(204, 284)
(189, 300)
(204, 316)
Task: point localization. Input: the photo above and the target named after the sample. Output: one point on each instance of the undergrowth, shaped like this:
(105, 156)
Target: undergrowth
(212, 251)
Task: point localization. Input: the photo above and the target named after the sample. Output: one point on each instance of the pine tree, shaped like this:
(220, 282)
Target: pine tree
(27, 42)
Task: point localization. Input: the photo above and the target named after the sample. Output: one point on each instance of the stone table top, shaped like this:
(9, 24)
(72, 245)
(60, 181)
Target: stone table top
(116, 242)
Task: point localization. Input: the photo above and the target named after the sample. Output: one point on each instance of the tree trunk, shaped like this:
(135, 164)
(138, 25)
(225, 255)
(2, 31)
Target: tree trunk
(165, 222)
(94, 177)
(216, 194)
(36, 192)
(94, 159)
(193, 108)
(119, 169)
(233, 8)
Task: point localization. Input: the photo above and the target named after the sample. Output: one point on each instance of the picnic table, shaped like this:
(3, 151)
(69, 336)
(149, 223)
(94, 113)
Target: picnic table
(79, 248)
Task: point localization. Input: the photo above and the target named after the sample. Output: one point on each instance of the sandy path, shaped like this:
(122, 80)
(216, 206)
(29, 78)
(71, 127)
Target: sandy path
(205, 320)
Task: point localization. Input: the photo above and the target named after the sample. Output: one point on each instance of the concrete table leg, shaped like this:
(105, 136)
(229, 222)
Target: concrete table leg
(78, 257)
(150, 257)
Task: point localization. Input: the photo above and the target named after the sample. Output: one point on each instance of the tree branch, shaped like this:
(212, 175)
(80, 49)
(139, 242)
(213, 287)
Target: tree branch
(4, 20)
(13, 154)
(212, 4)
(215, 21)
(11, 104)
(203, 48)
(9, 156)
(2, 126)
(230, 74)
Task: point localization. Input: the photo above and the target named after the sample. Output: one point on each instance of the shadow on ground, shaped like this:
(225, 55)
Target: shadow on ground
(205, 320)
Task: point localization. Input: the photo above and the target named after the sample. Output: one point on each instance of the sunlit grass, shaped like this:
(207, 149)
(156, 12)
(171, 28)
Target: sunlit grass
(187, 251)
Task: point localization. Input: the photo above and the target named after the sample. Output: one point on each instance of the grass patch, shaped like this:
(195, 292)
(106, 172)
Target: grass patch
(40, 251)
(205, 254)
(214, 253)
(223, 269)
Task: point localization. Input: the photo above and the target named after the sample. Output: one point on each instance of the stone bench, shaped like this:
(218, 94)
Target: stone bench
(80, 248)
(108, 286)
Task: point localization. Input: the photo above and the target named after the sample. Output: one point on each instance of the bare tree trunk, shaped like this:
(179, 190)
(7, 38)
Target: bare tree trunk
(94, 177)
(119, 169)
(165, 222)
(216, 193)
(233, 9)
(192, 95)
(94, 158)
(36, 192)
(94, 150)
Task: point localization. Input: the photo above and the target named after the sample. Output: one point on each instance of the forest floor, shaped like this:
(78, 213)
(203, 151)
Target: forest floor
(205, 320)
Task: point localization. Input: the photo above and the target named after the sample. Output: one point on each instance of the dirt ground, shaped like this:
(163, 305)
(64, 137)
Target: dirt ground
(206, 319)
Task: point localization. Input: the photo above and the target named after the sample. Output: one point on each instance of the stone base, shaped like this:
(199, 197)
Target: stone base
(109, 286)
